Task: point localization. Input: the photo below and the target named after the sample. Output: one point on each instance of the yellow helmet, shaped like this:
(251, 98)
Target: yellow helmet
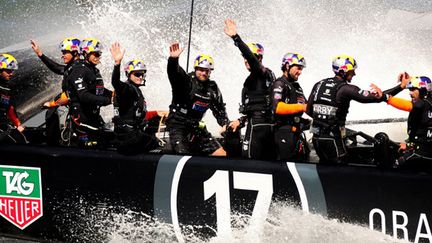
(343, 63)
(9, 62)
(204, 61)
(70, 44)
(293, 59)
(135, 65)
(89, 45)
(421, 83)
(256, 48)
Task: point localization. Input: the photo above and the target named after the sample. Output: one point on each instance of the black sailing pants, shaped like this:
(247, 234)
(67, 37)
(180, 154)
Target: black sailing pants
(258, 142)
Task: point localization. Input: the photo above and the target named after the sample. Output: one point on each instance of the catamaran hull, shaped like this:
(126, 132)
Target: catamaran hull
(205, 191)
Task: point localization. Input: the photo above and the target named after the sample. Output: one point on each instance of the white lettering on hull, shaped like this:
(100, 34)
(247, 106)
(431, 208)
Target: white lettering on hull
(400, 222)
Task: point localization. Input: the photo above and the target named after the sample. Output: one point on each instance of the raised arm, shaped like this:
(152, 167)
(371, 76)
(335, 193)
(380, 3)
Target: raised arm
(231, 30)
(55, 67)
(117, 55)
(353, 92)
(177, 76)
(403, 79)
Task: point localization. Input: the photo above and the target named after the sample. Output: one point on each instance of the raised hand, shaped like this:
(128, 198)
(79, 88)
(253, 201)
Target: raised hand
(175, 50)
(230, 28)
(404, 79)
(36, 48)
(116, 53)
(376, 90)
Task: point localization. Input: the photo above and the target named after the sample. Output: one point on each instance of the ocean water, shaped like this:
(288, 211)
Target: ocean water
(386, 37)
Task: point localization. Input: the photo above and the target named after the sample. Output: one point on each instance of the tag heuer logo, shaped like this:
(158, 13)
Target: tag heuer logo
(20, 195)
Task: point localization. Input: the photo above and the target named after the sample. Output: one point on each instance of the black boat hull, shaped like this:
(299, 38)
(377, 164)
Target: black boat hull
(184, 190)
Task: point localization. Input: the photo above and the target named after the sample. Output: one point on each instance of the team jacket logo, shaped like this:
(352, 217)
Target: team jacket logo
(324, 110)
(20, 195)
(100, 89)
(200, 106)
(4, 99)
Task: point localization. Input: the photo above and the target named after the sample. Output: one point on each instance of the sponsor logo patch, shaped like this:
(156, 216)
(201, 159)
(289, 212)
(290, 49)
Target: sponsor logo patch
(5, 99)
(20, 195)
(364, 93)
(200, 106)
(277, 96)
(324, 109)
(301, 100)
(100, 90)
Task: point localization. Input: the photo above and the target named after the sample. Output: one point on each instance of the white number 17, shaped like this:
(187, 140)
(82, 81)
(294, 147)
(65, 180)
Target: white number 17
(218, 185)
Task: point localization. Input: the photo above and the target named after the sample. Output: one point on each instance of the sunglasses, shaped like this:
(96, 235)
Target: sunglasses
(138, 75)
(8, 71)
(66, 52)
(203, 69)
(97, 54)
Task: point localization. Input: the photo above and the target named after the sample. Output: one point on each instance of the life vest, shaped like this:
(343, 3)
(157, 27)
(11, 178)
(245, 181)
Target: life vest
(421, 130)
(133, 116)
(256, 98)
(326, 111)
(88, 113)
(68, 70)
(5, 102)
(292, 94)
(201, 97)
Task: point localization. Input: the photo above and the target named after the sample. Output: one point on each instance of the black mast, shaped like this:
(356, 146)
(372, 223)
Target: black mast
(190, 36)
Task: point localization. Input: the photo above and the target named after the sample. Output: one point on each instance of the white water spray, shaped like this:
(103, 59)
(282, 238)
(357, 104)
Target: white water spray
(285, 223)
(317, 29)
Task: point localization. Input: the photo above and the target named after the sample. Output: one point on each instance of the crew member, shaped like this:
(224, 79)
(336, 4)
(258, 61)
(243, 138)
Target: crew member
(289, 103)
(70, 49)
(10, 126)
(328, 105)
(417, 151)
(131, 116)
(258, 142)
(87, 94)
(192, 95)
